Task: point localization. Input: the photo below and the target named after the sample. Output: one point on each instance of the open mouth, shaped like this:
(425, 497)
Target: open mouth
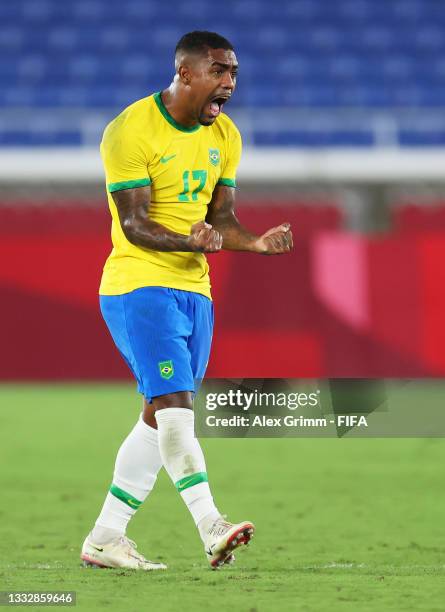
(216, 105)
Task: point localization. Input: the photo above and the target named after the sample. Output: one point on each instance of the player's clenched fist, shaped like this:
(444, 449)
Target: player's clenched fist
(275, 241)
(204, 238)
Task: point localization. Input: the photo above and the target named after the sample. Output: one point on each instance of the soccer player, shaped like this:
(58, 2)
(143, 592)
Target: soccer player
(170, 162)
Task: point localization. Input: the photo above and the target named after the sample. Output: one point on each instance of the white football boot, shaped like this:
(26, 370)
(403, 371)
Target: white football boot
(120, 552)
(222, 538)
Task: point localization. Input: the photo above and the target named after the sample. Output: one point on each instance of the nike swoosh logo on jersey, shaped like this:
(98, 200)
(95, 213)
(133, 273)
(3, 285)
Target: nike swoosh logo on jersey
(164, 160)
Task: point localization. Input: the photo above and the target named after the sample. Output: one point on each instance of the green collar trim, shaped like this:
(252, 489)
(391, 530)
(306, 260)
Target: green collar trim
(169, 118)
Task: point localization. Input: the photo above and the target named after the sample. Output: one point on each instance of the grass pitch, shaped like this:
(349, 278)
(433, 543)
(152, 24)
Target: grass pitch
(341, 524)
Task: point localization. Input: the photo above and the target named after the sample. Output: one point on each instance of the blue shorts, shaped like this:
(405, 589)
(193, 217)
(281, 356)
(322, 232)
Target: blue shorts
(163, 334)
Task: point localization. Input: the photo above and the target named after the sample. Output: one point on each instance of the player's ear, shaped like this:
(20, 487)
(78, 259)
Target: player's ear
(185, 74)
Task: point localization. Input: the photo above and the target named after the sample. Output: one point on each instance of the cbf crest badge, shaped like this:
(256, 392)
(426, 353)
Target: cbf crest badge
(166, 369)
(214, 156)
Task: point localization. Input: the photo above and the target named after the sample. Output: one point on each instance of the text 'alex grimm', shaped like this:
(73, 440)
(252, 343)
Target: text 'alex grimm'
(341, 420)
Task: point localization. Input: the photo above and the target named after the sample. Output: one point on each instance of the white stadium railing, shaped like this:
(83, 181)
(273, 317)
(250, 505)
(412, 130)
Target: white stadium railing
(383, 162)
(263, 166)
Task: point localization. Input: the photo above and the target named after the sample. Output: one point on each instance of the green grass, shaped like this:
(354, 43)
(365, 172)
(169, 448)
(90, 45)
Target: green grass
(341, 524)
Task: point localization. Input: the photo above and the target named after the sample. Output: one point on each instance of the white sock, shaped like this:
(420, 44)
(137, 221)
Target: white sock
(137, 465)
(184, 461)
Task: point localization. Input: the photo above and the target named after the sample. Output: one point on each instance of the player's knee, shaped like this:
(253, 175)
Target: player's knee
(181, 399)
(148, 414)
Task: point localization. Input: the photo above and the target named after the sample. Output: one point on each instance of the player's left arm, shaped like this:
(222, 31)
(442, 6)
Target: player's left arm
(221, 215)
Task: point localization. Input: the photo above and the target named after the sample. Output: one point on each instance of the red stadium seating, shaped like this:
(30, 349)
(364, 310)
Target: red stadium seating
(340, 305)
(409, 217)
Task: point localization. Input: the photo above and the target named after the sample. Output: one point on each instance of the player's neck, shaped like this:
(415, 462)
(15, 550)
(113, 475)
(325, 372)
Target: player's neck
(176, 104)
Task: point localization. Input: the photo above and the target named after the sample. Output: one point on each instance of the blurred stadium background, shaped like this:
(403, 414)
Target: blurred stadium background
(341, 107)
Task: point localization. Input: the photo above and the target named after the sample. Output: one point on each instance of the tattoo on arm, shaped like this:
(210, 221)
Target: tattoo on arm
(132, 207)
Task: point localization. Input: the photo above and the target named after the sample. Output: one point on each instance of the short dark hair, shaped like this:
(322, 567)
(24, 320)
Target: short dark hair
(198, 41)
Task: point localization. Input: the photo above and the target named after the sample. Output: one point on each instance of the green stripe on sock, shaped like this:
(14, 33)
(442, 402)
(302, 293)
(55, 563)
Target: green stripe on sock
(190, 481)
(125, 497)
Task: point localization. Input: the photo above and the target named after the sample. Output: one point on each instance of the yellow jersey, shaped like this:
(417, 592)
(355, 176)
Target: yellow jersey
(142, 146)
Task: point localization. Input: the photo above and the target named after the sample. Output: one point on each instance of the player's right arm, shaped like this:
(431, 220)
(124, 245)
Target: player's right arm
(126, 154)
(133, 205)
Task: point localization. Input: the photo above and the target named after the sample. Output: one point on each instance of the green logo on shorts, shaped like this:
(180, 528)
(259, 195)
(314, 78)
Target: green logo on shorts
(166, 369)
